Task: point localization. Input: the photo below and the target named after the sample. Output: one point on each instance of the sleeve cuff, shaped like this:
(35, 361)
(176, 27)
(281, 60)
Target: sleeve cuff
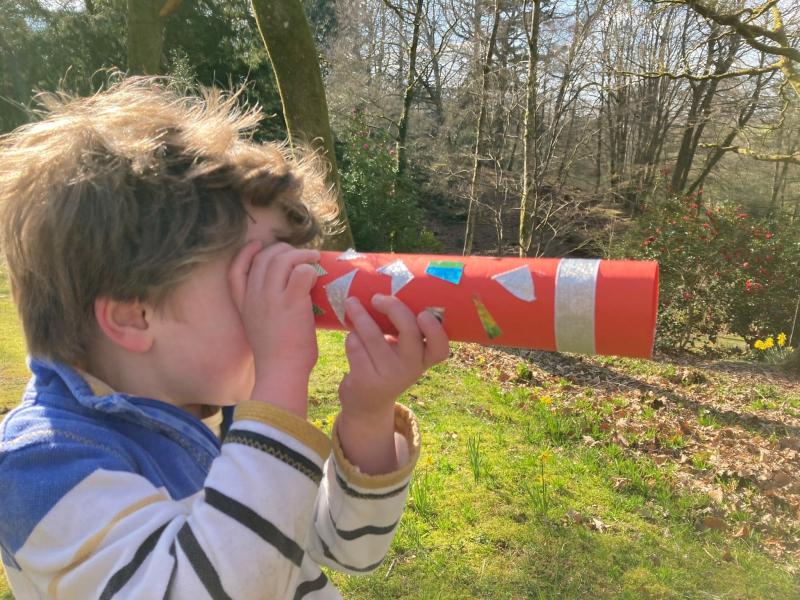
(405, 423)
(291, 424)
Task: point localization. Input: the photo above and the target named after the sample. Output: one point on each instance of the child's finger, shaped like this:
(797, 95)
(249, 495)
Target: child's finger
(437, 344)
(369, 334)
(409, 338)
(264, 262)
(357, 355)
(240, 266)
(282, 265)
(301, 280)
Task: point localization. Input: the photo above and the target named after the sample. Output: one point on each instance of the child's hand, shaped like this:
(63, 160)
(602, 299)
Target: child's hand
(271, 287)
(381, 368)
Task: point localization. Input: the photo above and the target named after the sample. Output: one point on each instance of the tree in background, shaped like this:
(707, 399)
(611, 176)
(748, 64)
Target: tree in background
(47, 48)
(769, 39)
(145, 34)
(472, 210)
(74, 47)
(411, 82)
(287, 36)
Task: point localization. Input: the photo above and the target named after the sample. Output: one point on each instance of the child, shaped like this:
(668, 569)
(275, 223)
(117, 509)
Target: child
(161, 265)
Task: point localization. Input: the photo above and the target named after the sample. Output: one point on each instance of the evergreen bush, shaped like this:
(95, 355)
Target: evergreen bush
(383, 211)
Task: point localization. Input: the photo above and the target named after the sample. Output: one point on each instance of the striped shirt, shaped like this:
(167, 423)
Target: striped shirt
(105, 495)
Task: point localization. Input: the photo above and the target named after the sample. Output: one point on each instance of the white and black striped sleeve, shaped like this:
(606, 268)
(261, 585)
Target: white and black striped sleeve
(356, 514)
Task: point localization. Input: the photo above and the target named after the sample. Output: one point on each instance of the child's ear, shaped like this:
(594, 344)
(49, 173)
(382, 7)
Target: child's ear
(125, 323)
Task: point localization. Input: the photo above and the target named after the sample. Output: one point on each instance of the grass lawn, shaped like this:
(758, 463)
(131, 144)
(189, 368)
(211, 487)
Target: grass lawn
(524, 490)
(13, 372)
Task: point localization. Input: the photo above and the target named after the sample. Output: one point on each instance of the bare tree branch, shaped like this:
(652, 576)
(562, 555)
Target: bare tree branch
(707, 77)
(751, 33)
(749, 152)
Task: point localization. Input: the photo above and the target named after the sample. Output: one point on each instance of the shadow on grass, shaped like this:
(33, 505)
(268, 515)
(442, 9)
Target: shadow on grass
(578, 371)
(570, 561)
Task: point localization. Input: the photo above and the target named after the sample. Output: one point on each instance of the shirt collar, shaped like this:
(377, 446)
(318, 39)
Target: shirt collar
(95, 394)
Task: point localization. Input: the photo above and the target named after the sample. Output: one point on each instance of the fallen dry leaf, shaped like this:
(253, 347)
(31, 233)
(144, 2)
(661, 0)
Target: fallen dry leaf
(574, 516)
(791, 443)
(598, 525)
(743, 532)
(712, 522)
(781, 478)
(726, 555)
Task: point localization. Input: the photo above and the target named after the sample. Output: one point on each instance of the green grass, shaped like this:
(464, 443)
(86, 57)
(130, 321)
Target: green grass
(509, 502)
(13, 372)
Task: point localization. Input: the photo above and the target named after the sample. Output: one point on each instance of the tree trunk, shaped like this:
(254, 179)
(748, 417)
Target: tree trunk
(777, 180)
(745, 114)
(476, 162)
(788, 65)
(145, 36)
(435, 92)
(598, 157)
(703, 96)
(408, 96)
(291, 50)
(529, 133)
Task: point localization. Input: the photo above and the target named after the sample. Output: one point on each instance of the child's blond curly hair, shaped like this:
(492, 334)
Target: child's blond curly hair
(123, 193)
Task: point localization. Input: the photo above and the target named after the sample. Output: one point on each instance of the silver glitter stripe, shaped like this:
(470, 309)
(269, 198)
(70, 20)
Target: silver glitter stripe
(576, 281)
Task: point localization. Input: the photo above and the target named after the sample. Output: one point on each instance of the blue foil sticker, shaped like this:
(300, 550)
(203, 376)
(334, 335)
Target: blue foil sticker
(446, 270)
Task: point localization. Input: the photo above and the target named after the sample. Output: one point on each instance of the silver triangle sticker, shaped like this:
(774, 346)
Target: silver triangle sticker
(349, 254)
(518, 282)
(399, 273)
(337, 292)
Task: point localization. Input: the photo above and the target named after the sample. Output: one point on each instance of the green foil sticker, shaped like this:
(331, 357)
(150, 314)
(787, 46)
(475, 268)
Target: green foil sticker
(447, 270)
(318, 312)
(487, 320)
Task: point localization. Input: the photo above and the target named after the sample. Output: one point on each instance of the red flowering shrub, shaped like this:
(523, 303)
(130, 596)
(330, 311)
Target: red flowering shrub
(722, 269)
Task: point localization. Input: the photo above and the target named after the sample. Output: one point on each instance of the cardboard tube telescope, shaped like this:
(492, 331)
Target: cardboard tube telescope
(590, 306)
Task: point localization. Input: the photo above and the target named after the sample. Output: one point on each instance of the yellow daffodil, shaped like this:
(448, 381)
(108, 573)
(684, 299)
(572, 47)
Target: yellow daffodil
(759, 345)
(769, 342)
(545, 456)
(781, 339)
(546, 400)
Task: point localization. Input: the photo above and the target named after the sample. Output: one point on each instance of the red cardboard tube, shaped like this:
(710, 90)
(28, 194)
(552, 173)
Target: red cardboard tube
(589, 306)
